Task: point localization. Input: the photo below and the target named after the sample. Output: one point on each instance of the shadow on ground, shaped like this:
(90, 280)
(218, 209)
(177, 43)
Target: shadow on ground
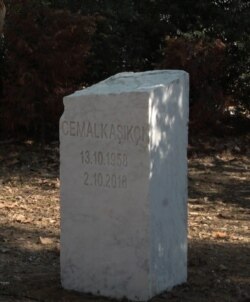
(216, 272)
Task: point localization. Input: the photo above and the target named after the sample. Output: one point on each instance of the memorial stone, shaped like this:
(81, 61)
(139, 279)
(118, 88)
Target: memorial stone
(123, 170)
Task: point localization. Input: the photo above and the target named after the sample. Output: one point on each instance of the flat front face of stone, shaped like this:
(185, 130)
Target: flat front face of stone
(104, 194)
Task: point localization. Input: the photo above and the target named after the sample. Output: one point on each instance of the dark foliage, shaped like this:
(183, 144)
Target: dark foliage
(205, 62)
(54, 46)
(131, 35)
(45, 60)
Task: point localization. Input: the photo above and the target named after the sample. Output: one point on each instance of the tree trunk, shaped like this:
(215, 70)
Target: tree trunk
(2, 15)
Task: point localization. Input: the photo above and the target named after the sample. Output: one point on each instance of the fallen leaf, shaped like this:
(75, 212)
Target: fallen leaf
(9, 189)
(46, 240)
(222, 267)
(224, 216)
(4, 250)
(234, 237)
(12, 162)
(219, 235)
(19, 218)
(57, 184)
(4, 283)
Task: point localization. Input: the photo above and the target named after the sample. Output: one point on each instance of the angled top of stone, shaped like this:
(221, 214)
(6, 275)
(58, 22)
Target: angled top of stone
(130, 81)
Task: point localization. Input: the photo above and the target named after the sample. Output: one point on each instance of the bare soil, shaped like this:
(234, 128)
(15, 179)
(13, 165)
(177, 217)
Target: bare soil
(219, 237)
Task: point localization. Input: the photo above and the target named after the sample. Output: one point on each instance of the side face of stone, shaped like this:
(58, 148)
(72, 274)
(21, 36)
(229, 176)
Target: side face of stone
(104, 170)
(168, 120)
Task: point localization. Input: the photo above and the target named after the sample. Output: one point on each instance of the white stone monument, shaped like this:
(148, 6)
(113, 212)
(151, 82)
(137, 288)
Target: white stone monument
(123, 153)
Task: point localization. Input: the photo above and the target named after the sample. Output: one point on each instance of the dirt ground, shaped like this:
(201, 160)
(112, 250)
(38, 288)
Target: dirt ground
(219, 223)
